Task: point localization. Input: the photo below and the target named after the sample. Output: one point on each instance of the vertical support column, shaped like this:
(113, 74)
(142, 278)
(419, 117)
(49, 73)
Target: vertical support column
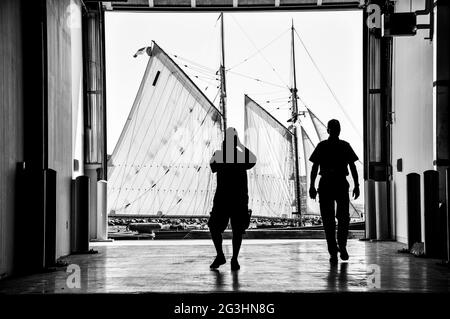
(440, 92)
(377, 77)
(30, 209)
(95, 106)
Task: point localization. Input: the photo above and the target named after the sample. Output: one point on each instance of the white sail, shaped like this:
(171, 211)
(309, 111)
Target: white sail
(320, 128)
(312, 206)
(271, 181)
(160, 165)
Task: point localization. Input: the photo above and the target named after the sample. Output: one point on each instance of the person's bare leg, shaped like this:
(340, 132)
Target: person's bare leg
(237, 241)
(220, 258)
(217, 240)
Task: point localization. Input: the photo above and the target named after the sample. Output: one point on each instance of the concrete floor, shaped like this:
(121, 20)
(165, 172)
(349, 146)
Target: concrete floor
(267, 266)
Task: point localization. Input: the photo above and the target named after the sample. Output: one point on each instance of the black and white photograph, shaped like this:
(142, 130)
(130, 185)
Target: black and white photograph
(225, 158)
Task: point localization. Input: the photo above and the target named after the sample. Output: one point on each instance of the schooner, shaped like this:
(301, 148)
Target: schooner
(160, 164)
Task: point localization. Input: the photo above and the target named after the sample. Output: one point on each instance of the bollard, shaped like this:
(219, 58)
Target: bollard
(80, 216)
(413, 208)
(102, 215)
(29, 221)
(369, 208)
(381, 202)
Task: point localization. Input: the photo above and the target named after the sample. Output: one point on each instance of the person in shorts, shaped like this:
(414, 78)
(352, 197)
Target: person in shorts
(230, 204)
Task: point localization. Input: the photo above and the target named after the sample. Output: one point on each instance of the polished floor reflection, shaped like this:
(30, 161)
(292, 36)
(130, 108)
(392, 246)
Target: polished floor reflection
(267, 265)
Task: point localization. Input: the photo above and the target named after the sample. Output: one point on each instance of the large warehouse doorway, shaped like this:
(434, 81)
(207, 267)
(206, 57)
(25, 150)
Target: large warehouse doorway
(258, 49)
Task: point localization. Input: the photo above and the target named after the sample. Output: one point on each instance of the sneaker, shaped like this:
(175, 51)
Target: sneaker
(344, 253)
(220, 260)
(333, 259)
(235, 264)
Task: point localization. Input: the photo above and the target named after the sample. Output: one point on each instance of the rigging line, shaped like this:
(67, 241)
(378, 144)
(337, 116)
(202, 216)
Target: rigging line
(204, 78)
(205, 82)
(259, 50)
(217, 94)
(206, 68)
(271, 97)
(256, 79)
(282, 107)
(161, 177)
(328, 85)
(210, 74)
(262, 55)
(277, 99)
(267, 93)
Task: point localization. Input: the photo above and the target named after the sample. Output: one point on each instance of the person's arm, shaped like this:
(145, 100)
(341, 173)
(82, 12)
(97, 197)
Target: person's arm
(355, 180)
(251, 159)
(312, 187)
(213, 162)
(315, 159)
(352, 158)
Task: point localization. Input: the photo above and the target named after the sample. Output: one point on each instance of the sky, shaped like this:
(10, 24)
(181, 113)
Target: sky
(257, 46)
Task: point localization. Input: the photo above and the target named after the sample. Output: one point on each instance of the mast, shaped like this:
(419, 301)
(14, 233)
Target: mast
(294, 126)
(223, 89)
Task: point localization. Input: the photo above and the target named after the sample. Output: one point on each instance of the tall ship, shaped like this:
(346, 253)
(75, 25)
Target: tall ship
(160, 164)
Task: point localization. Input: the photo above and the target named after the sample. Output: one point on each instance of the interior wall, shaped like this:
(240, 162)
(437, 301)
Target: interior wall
(412, 104)
(11, 124)
(63, 105)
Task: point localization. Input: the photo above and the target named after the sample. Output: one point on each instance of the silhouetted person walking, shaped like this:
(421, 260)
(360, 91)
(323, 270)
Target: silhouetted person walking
(332, 156)
(231, 198)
